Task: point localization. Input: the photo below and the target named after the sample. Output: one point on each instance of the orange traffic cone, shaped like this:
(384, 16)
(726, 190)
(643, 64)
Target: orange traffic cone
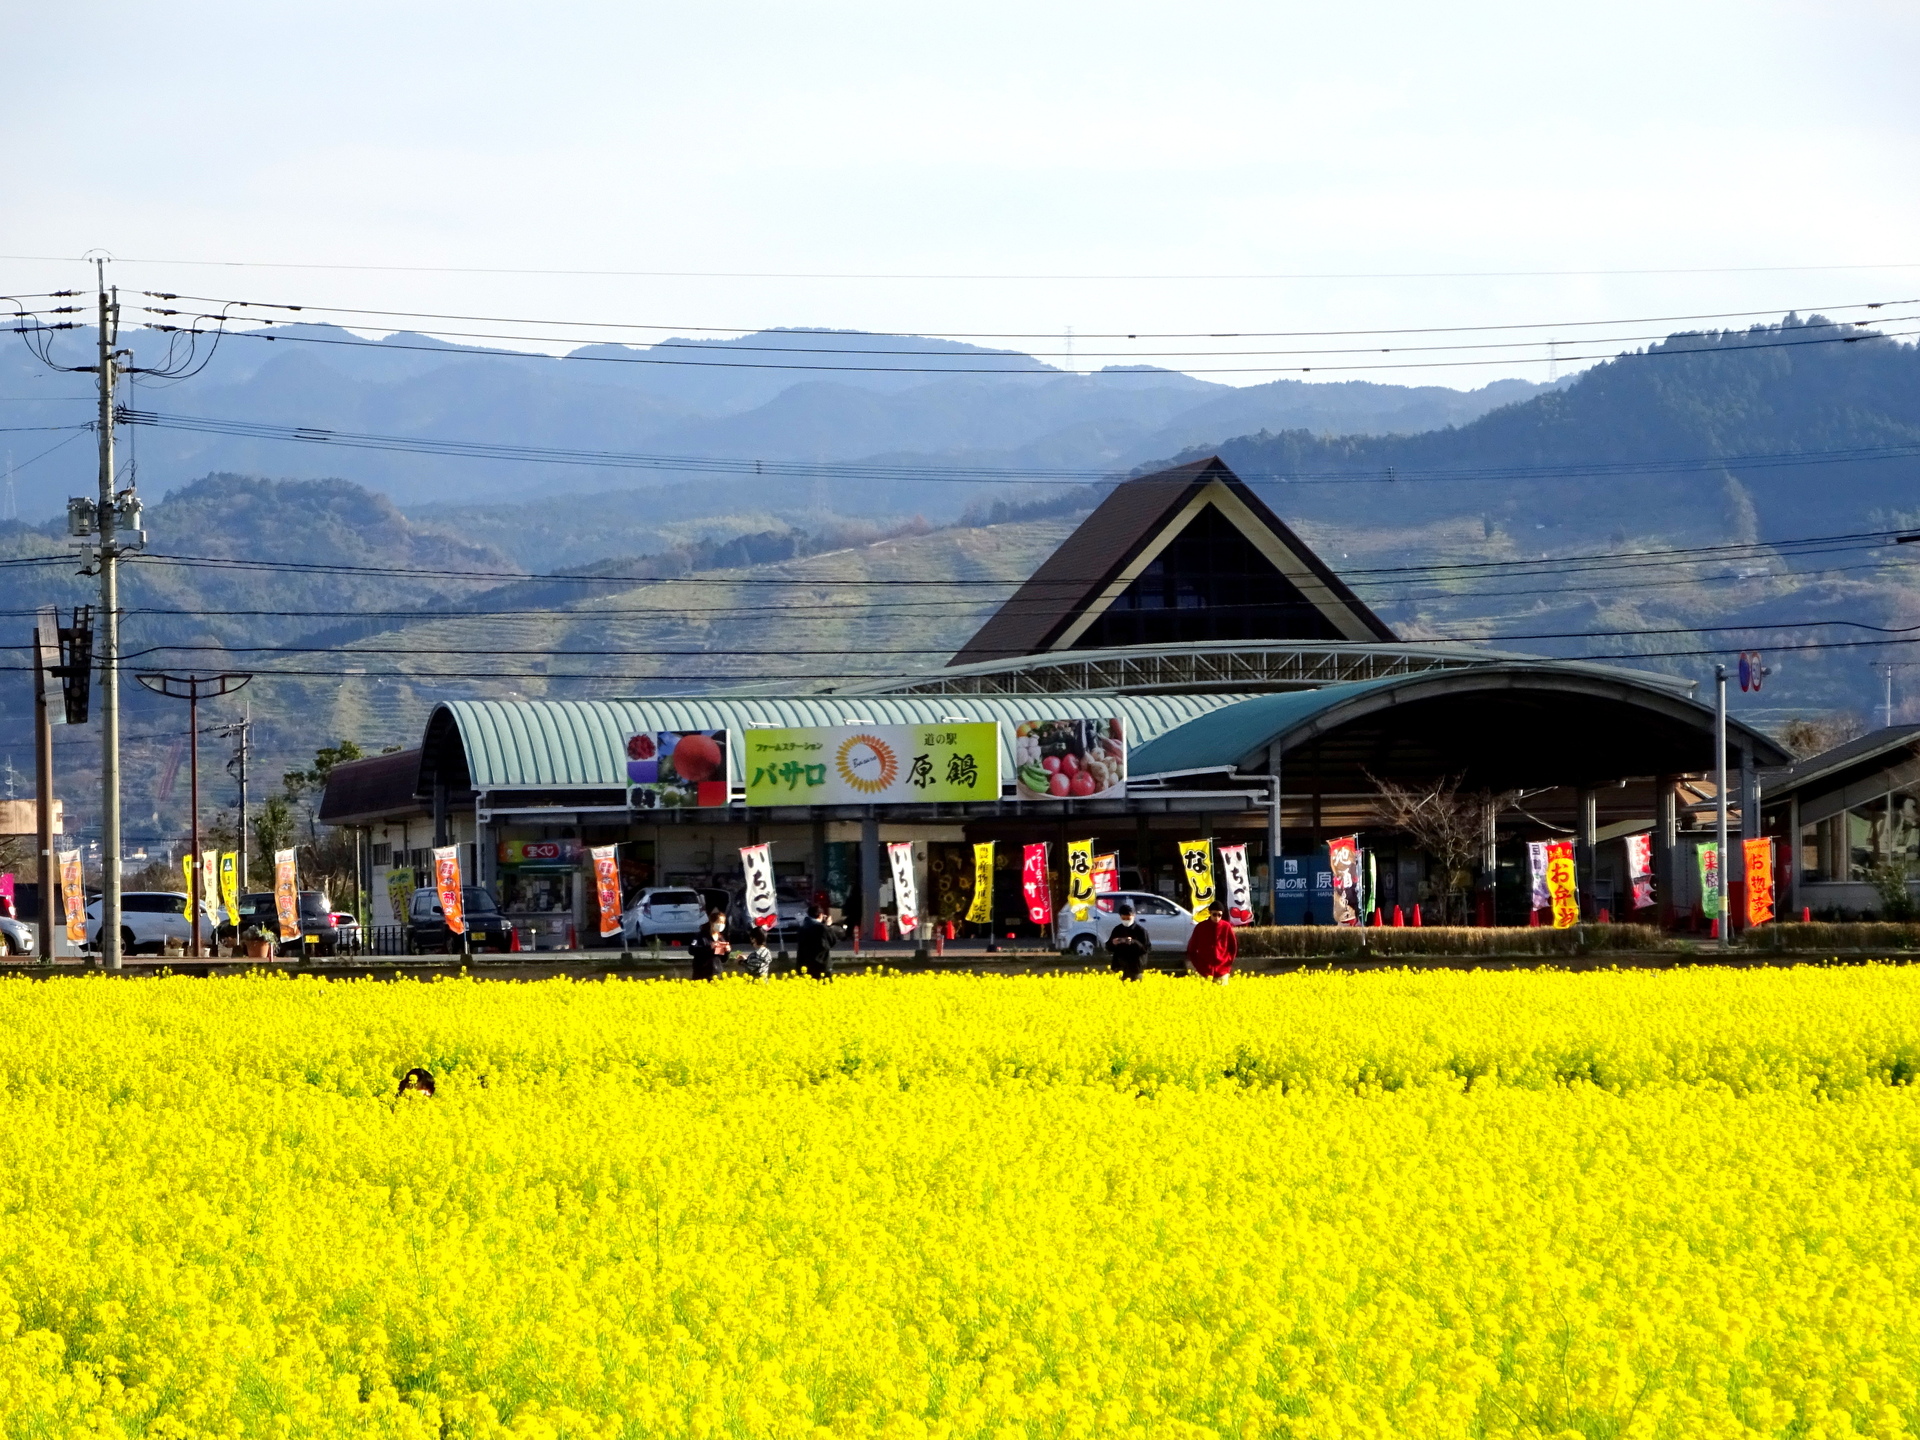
(1806, 914)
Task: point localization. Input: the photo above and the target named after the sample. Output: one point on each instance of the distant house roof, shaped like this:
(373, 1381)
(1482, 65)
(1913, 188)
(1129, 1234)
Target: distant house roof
(364, 790)
(1877, 749)
(1498, 725)
(1082, 580)
(581, 744)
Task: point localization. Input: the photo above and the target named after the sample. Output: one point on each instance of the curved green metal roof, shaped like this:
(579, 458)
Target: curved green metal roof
(1223, 737)
(555, 744)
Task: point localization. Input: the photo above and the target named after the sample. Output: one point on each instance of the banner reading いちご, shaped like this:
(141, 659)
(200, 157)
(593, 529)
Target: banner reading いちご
(1233, 864)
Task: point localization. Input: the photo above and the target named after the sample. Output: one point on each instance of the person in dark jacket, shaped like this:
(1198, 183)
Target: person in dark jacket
(814, 948)
(710, 947)
(1128, 945)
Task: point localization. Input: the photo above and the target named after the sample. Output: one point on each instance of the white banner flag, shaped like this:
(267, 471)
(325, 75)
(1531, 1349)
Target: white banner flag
(1537, 873)
(209, 887)
(905, 898)
(1233, 864)
(762, 901)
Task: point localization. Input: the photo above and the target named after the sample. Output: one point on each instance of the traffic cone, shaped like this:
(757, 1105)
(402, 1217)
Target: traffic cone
(1606, 916)
(513, 939)
(1398, 919)
(947, 930)
(1376, 921)
(1806, 914)
(1533, 919)
(1416, 917)
(1713, 929)
(880, 929)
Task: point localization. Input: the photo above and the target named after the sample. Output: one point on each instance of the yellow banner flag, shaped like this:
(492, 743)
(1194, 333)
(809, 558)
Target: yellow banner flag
(230, 885)
(1196, 859)
(1080, 878)
(981, 911)
(186, 868)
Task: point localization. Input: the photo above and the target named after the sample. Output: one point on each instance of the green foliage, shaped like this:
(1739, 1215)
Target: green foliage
(273, 827)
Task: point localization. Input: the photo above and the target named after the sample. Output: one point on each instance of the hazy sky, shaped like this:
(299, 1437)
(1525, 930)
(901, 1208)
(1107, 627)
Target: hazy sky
(1080, 140)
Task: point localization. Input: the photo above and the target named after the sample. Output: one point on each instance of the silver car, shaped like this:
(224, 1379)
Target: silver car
(672, 910)
(148, 919)
(16, 937)
(1167, 925)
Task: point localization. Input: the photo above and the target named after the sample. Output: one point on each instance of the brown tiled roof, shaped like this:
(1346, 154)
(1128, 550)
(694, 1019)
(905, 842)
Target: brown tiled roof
(1107, 541)
(366, 789)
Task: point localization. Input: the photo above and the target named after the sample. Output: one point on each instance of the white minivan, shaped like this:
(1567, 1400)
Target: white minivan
(148, 919)
(1167, 925)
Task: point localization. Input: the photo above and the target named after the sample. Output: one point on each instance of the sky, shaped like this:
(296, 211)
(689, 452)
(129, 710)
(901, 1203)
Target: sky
(1102, 169)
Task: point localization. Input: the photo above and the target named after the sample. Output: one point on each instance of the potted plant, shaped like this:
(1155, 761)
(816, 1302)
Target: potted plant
(259, 941)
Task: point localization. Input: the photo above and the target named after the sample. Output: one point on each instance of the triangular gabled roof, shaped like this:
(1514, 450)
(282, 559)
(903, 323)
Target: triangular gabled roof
(1081, 581)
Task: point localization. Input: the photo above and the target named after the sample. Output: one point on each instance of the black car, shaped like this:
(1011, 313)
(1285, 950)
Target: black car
(427, 933)
(257, 908)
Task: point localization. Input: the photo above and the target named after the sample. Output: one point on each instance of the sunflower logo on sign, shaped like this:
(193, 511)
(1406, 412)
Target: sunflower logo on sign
(867, 763)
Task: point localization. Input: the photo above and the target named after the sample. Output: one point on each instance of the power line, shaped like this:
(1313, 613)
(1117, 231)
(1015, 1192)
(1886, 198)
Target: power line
(804, 330)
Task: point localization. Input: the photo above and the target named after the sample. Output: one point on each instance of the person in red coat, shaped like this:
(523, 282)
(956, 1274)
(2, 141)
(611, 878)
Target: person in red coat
(1211, 949)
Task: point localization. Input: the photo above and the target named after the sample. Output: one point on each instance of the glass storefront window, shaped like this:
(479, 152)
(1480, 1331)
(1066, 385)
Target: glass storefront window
(537, 891)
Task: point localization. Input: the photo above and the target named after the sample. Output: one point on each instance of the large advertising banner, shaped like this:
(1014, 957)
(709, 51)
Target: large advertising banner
(678, 769)
(1070, 759)
(762, 900)
(1196, 862)
(981, 911)
(606, 884)
(1037, 885)
(1759, 858)
(286, 894)
(1233, 864)
(873, 764)
(1561, 888)
(446, 880)
(73, 895)
(906, 894)
(1343, 864)
(1080, 888)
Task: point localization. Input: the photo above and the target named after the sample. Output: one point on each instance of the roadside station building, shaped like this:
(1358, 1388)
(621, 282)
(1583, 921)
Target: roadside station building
(1260, 700)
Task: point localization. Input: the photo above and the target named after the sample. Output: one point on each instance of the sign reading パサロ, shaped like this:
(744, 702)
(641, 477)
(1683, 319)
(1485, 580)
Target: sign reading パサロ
(872, 764)
(675, 769)
(1070, 759)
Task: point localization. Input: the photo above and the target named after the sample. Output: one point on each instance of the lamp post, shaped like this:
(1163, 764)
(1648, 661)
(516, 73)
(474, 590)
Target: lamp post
(193, 689)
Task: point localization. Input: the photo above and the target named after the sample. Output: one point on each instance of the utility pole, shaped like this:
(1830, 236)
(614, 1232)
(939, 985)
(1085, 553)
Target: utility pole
(1720, 799)
(109, 641)
(238, 764)
(46, 652)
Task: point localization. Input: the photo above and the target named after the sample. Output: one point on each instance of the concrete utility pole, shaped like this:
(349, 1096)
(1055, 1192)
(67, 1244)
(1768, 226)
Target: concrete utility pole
(193, 689)
(46, 654)
(109, 640)
(239, 728)
(1720, 798)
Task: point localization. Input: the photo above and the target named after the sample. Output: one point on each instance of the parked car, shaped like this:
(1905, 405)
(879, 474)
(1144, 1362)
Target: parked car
(1167, 925)
(668, 912)
(334, 932)
(148, 919)
(427, 932)
(16, 937)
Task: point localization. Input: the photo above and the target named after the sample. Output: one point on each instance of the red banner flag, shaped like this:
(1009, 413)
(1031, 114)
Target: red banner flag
(1561, 887)
(1036, 885)
(606, 879)
(446, 879)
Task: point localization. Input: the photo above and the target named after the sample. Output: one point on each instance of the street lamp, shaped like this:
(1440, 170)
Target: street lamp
(193, 689)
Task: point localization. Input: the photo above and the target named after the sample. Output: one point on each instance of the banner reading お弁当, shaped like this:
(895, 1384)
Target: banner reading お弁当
(1562, 891)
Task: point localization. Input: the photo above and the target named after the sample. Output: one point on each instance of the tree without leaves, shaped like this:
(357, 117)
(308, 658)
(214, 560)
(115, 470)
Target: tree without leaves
(1445, 821)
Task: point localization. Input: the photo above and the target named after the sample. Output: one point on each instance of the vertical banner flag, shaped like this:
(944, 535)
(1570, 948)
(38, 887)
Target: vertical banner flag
(210, 886)
(762, 901)
(1196, 861)
(1036, 885)
(906, 894)
(1106, 874)
(1709, 858)
(1759, 858)
(606, 884)
(73, 891)
(230, 886)
(1233, 865)
(1343, 863)
(186, 869)
(1562, 891)
(1538, 899)
(446, 880)
(1640, 869)
(400, 893)
(286, 894)
(1370, 897)
(1080, 891)
(981, 911)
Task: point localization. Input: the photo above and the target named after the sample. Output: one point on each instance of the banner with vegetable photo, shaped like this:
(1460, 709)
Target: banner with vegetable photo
(1070, 759)
(678, 769)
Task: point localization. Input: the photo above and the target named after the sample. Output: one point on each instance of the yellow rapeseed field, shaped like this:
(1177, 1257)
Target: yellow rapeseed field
(1529, 1204)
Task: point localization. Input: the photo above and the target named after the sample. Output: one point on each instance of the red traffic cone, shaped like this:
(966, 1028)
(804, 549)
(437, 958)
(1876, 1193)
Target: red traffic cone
(1398, 918)
(1533, 919)
(880, 929)
(1806, 914)
(513, 939)
(1606, 916)
(1713, 929)
(947, 930)
(1416, 917)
